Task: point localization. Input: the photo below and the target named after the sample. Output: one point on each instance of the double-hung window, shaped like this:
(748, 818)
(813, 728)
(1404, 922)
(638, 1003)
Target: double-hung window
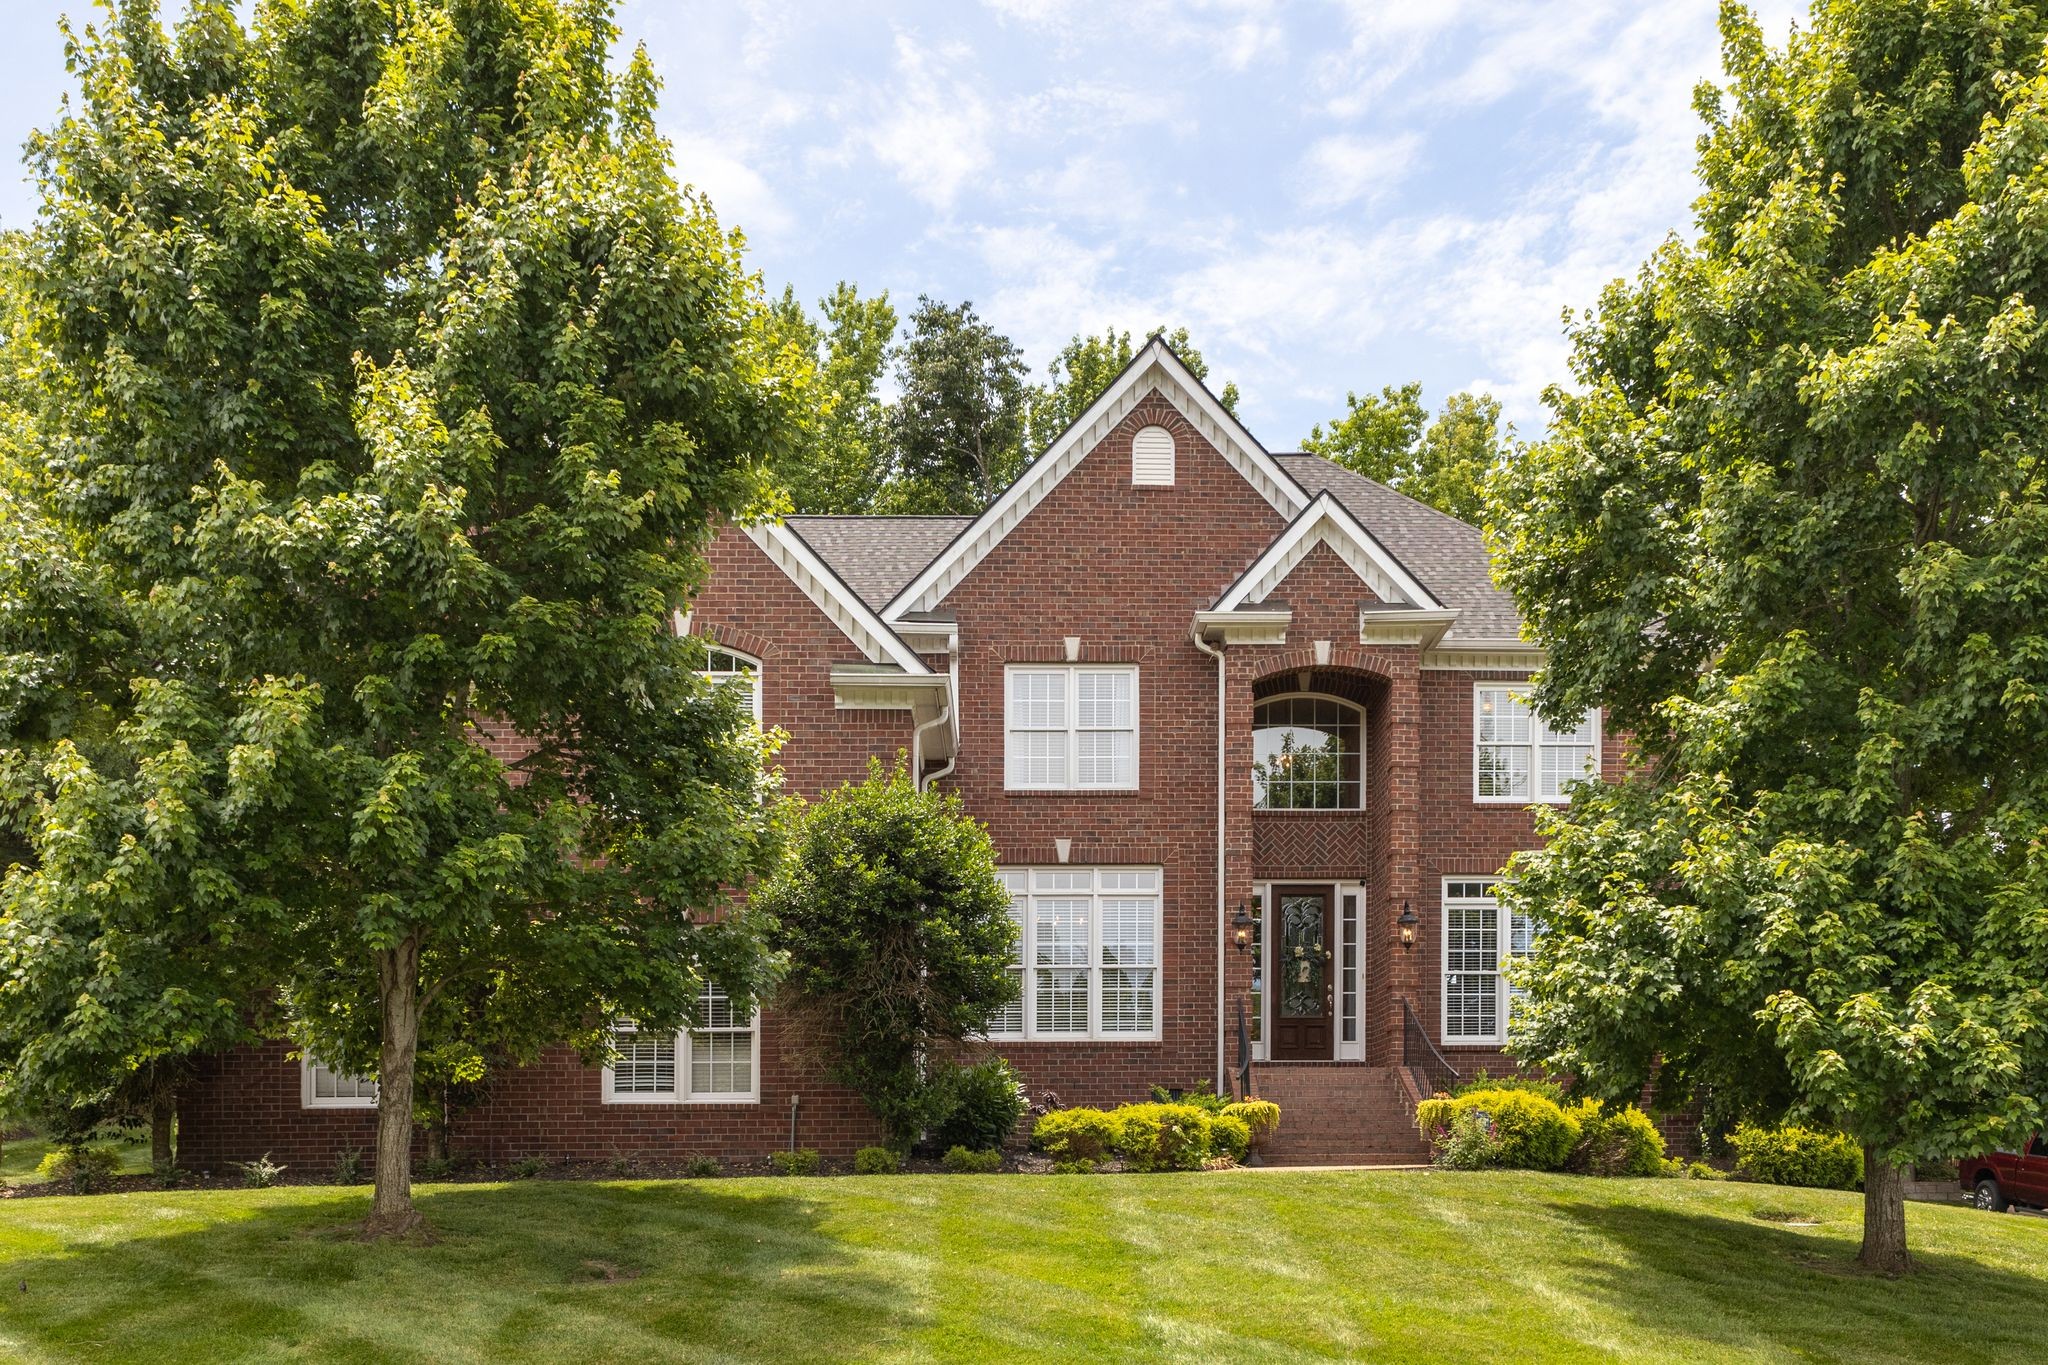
(1070, 728)
(1478, 934)
(1518, 756)
(1087, 964)
(716, 1062)
(322, 1087)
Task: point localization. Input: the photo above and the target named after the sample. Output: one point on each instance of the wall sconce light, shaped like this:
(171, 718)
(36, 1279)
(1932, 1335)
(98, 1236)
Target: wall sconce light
(1407, 924)
(1242, 923)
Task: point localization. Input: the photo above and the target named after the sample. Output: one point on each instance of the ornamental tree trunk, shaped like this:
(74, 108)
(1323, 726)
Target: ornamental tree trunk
(163, 1114)
(398, 978)
(1884, 1217)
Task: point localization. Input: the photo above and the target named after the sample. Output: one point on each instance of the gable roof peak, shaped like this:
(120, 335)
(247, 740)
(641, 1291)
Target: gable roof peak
(1155, 367)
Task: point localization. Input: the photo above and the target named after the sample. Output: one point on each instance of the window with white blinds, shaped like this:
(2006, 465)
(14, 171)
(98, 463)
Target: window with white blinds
(1518, 756)
(1478, 934)
(1071, 728)
(1088, 964)
(321, 1087)
(729, 668)
(717, 1062)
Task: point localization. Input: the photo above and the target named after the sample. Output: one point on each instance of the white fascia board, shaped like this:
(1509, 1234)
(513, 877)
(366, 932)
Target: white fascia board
(1328, 522)
(862, 688)
(1245, 626)
(815, 579)
(1153, 367)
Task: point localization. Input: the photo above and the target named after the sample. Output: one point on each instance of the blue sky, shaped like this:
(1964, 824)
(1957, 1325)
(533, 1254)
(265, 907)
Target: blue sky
(1330, 194)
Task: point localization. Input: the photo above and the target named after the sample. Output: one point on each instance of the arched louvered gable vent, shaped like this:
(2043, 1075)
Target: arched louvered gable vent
(1152, 458)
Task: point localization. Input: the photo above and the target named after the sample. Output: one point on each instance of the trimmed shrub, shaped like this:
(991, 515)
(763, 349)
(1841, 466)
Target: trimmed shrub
(1698, 1170)
(1075, 1134)
(1229, 1136)
(987, 1101)
(802, 1161)
(1535, 1085)
(1797, 1156)
(1261, 1116)
(1162, 1137)
(85, 1170)
(876, 1161)
(1616, 1141)
(1522, 1129)
(964, 1161)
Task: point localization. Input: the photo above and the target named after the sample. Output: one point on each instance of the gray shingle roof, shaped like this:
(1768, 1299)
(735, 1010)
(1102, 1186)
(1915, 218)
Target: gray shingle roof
(1446, 554)
(877, 556)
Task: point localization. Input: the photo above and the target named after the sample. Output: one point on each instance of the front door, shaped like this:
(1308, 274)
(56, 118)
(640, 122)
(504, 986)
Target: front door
(1304, 995)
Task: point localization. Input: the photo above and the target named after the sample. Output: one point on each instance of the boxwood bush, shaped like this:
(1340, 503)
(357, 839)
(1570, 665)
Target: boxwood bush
(1618, 1140)
(986, 1100)
(1797, 1156)
(1075, 1134)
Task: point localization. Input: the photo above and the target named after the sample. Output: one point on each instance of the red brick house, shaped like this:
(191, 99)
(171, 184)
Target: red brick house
(1247, 729)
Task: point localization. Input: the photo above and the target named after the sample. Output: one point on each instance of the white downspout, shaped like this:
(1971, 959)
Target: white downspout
(1222, 914)
(948, 712)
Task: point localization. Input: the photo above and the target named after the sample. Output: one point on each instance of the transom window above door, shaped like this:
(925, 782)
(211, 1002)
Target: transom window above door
(1308, 753)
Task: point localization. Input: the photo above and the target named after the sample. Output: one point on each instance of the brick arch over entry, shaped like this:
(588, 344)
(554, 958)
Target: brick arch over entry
(1382, 849)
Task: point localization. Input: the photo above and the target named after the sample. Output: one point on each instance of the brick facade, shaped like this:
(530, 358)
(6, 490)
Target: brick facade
(1122, 570)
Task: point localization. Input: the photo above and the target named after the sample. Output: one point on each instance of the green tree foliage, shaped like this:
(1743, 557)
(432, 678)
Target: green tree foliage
(391, 388)
(1792, 532)
(898, 934)
(1388, 436)
(1085, 366)
(842, 463)
(957, 427)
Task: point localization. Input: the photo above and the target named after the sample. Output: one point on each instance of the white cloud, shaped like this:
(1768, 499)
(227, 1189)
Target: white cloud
(1345, 167)
(929, 126)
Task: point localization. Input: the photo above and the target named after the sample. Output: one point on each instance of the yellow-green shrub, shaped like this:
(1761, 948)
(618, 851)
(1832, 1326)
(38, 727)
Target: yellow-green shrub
(1527, 1131)
(1616, 1141)
(1229, 1136)
(1261, 1116)
(1797, 1156)
(1162, 1137)
(1075, 1134)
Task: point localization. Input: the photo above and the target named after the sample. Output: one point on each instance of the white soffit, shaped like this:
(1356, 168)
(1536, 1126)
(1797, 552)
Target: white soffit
(1154, 367)
(854, 618)
(1329, 522)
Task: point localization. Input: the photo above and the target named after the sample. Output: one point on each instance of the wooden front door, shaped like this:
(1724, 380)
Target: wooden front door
(1304, 991)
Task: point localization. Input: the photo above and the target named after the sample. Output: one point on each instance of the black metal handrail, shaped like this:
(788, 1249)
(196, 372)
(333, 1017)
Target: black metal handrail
(1419, 1051)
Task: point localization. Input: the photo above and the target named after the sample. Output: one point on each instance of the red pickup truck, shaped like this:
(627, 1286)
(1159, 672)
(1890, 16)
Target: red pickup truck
(2001, 1179)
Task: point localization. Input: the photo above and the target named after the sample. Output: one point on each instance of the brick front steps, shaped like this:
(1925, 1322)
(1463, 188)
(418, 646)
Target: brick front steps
(1339, 1114)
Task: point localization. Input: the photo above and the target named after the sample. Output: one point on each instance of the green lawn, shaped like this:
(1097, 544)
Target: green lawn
(1240, 1265)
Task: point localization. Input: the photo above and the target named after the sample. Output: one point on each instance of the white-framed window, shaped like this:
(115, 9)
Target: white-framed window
(1478, 931)
(1308, 753)
(717, 1062)
(730, 668)
(1070, 727)
(321, 1087)
(1519, 758)
(1088, 965)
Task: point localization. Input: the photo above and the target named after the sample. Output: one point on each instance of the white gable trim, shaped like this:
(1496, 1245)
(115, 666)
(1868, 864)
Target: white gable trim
(1155, 367)
(1329, 522)
(855, 619)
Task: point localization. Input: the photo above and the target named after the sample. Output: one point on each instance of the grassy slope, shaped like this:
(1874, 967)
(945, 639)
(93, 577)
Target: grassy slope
(1266, 1265)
